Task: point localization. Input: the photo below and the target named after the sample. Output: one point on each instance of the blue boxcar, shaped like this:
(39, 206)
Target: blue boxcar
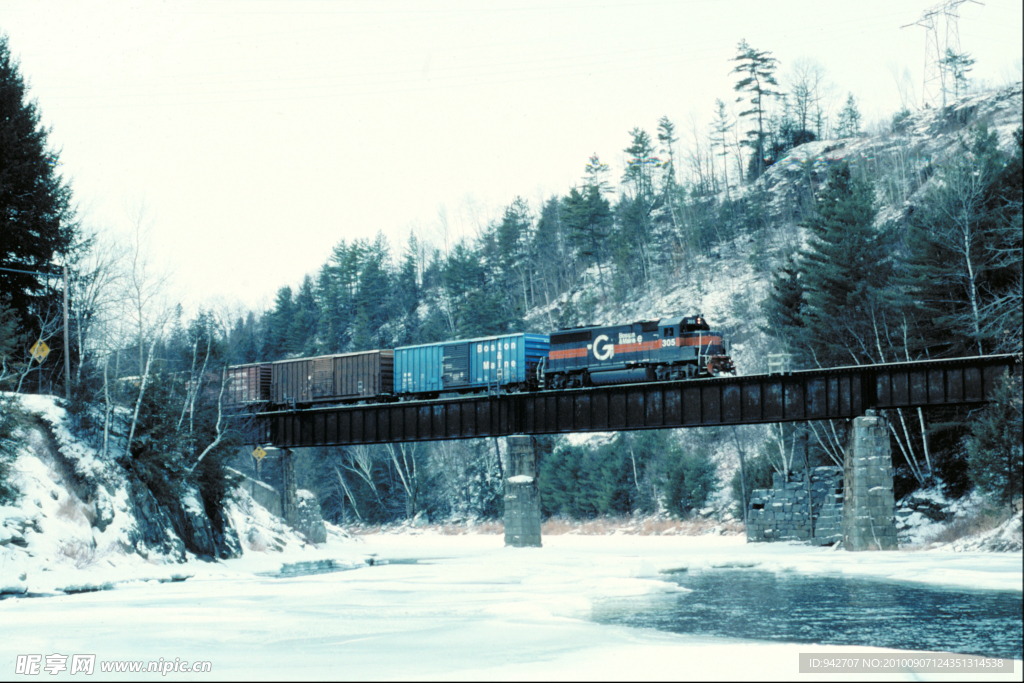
(509, 361)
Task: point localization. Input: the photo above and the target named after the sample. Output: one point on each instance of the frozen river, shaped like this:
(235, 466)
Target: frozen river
(467, 608)
(790, 607)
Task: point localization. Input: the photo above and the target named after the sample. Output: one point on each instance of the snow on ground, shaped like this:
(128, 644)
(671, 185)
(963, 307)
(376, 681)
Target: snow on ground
(469, 608)
(409, 604)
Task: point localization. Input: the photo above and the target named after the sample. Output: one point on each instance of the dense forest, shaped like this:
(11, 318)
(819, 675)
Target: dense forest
(870, 248)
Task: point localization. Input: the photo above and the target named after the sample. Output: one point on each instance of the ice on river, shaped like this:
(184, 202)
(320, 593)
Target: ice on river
(468, 608)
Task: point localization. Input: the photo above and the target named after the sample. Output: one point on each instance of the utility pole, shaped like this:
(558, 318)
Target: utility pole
(67, 345)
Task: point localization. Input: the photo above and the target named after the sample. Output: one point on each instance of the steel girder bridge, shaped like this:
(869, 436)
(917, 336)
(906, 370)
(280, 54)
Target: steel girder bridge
(802, 395)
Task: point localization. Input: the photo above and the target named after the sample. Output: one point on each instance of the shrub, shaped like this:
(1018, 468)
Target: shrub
(687, 478)
(11, 419)
(995, 450)
(758, 474)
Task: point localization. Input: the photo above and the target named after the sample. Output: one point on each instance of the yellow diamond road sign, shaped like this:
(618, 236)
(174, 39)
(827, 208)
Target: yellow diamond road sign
(39, 351)
(259, 453)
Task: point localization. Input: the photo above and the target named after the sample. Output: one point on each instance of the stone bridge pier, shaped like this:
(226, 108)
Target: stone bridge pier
(869, 521)
(522, 496)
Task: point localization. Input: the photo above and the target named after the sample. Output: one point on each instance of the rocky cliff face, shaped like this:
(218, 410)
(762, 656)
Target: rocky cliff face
(101, 506)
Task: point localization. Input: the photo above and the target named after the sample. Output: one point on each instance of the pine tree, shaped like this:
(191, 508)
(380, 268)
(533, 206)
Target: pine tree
(958, 65)
(302, 329)
(844, 272)
(784, 306)
(512, 258)
(374, 294)
(632, 246)
(37, 219)
(278, 323)
(588, 221)
(757, 71)
(995, 451)
(406, 294)
(640, 164)
(555, 265)
(597, 175)
(334, 316)
(965, 239)
(720, 129)
(667, 138)
(849, 119)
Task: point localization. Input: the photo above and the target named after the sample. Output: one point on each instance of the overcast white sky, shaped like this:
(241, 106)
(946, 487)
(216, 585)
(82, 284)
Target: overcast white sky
(259, 133)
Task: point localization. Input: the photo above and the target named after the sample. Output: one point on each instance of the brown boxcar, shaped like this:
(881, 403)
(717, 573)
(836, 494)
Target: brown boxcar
(247, 384)
(364, 375)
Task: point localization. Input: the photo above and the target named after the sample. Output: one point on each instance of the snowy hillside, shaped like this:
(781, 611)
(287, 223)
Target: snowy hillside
(83, 522)
(728, 286)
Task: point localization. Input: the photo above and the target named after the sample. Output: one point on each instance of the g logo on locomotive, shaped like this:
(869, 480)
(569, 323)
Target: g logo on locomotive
(605, 352)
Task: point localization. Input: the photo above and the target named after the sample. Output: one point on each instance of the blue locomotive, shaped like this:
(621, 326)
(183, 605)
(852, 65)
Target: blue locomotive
(645, 351)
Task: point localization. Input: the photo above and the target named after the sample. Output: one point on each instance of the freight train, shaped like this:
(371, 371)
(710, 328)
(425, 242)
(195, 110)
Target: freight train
(645, 351)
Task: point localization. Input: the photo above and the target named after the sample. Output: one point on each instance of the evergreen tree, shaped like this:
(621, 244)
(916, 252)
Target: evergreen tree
(640, 164)
(995, 447)
(512, 258)
(338, 288)
(849, 119)
(720, 130)
(958, 66)
(38, 227)
(632, 246)
(784, 306)
(565, 486)
(279, 321)
(687, 478)
(242, 343)
(37, 221)
(597, 175)
(756, 69)
(333, 316)
(374, 294)
(10, 341)
(845, 271)
(12, 420)
(362, 331)
(406, 295)
(588, 221)
(555, 265)
(965, 240)
(304, 321)
(667, 138)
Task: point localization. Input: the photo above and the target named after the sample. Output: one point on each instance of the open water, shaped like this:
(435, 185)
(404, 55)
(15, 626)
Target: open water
(762, 605)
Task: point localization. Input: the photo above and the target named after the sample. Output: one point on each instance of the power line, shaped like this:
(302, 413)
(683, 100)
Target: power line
(29, 272)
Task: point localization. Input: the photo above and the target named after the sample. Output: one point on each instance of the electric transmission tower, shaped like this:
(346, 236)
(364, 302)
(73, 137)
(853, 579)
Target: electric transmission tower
(942, 38)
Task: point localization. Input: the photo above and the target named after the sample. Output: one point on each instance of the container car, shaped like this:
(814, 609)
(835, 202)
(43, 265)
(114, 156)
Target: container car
(508, 362)
(645, 351)
(338, 378)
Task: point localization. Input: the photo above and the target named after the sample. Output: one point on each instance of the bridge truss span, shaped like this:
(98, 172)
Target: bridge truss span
(829, 393)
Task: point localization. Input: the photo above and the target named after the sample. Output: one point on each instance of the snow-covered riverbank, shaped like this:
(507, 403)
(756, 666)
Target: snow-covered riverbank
(408, 603)
(468, 608)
